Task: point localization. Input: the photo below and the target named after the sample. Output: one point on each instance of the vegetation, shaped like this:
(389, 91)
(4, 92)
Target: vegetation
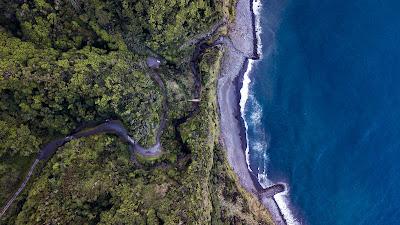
(67, 63)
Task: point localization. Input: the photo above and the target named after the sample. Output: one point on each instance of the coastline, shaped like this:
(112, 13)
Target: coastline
(240, 51)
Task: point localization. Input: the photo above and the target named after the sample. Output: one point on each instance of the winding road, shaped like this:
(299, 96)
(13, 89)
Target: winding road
(110, 127)
(117, 128)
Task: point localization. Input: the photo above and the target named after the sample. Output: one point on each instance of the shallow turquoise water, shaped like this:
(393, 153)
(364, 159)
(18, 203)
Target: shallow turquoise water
(324, 110)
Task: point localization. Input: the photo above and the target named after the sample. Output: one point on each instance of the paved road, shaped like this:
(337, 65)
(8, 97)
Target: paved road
(111, 127)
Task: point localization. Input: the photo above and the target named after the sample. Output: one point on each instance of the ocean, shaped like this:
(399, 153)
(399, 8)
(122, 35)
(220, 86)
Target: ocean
(323, 109)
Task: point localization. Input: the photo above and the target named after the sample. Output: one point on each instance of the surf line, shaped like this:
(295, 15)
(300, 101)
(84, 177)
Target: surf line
(281, 199)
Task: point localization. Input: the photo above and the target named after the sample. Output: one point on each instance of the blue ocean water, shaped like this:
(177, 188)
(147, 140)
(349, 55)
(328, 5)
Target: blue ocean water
(324, 109)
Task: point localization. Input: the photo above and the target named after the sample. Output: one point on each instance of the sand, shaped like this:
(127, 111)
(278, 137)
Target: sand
(240, 46)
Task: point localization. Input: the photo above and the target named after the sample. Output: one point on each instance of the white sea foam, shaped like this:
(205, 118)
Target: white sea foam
(256, 113)
(244, 95)
(282, 199)
(258, 146)
(244, 91)
(263, 180)
(257, 7)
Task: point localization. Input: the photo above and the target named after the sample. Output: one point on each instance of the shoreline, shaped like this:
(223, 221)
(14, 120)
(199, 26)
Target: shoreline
(256, 38)
(238, 82)
(271, 204)
(280, 202)
(242, 48)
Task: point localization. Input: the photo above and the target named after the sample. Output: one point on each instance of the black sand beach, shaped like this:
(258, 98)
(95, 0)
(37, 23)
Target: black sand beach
(240, 47)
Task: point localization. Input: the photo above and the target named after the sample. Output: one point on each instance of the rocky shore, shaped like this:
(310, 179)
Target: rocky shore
(241, 46)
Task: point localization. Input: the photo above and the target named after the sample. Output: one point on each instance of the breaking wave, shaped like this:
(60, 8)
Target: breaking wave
(260, 145)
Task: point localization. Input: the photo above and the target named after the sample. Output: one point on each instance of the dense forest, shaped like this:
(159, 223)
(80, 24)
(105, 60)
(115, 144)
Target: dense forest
(67, 63)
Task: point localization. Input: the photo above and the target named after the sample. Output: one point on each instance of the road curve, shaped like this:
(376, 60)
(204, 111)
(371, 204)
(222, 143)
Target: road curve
(116, 127)
(110, 127)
